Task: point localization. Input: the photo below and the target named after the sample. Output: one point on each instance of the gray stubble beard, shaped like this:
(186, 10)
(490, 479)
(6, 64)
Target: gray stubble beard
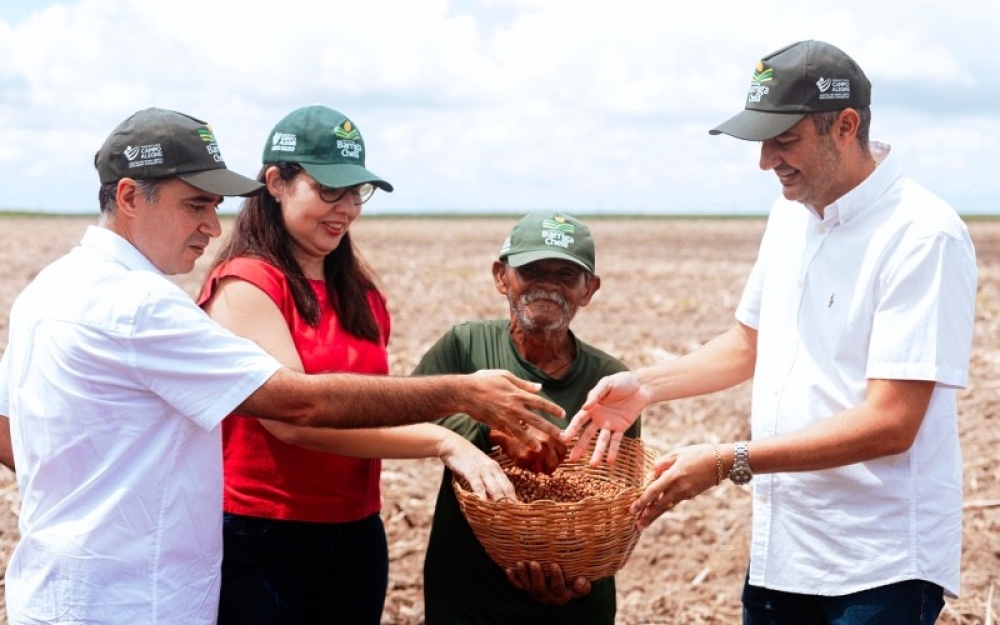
(519, 307)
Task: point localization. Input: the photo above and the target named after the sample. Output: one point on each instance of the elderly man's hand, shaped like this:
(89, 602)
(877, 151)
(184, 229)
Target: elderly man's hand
(611, 408)
(549, 589)
(544, 460)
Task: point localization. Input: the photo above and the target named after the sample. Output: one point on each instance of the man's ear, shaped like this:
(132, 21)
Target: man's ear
(593, 285)
(500, 276)
(846, 125)
(125, 197)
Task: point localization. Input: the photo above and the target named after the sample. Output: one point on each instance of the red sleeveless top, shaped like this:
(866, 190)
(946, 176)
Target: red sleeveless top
(265, 477)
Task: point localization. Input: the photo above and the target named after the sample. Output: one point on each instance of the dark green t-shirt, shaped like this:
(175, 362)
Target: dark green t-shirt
(462, 584)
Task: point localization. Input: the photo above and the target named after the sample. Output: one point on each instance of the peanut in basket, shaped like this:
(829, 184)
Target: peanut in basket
(564, 487)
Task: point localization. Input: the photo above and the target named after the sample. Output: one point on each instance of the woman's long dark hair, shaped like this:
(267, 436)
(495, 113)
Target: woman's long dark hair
(259, 232)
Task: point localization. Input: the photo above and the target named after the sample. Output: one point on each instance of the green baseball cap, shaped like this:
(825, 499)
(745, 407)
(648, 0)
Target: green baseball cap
(788, 84)
(539, 236)
(157, 143)
(325, 143)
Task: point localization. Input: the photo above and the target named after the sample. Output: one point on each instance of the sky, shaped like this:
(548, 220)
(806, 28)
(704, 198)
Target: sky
(494, 106)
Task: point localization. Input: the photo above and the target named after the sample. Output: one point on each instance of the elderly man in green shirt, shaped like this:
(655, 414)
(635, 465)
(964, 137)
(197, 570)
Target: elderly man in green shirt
(546, 270)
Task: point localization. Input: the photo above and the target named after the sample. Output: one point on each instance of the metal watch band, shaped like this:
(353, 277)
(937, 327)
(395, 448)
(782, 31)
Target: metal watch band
(741, 473)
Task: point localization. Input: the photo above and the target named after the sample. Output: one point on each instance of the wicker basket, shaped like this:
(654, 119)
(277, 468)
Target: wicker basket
(592, 538)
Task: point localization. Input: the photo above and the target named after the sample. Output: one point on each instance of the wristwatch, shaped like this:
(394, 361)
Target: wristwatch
(741, 473)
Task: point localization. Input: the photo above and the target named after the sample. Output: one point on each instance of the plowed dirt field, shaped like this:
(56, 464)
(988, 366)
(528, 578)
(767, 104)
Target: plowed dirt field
(668, 285)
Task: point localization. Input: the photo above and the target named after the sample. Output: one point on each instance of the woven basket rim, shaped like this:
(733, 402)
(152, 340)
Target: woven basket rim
(629, 446)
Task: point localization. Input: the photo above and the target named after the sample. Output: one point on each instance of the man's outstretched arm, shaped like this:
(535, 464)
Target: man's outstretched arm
(613, 405)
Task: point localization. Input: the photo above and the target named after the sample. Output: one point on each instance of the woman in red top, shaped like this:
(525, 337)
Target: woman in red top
(303, 539)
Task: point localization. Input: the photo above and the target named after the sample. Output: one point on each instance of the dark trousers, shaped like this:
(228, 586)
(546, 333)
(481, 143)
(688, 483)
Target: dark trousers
(913, 602)
(296, 573)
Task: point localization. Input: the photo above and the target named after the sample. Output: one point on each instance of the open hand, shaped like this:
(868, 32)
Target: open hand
(611, 408)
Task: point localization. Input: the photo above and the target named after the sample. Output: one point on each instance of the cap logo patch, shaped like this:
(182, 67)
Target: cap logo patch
(834, 88)
(348, 140)
(283, 142)
(146, 154)
(557, 232)
(760, 75)
(346, 131)
(212, 148)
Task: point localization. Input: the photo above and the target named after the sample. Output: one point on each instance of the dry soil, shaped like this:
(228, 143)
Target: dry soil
(668, 285)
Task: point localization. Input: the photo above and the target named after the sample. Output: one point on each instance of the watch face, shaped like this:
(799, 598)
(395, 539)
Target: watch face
(741, 476)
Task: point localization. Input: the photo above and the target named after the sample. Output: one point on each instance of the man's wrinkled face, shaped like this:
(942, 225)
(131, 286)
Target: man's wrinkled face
(545, 295)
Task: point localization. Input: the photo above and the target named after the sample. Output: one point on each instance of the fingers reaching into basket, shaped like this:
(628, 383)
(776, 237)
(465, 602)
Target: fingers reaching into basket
(675, 477)
(611, 408)
(484, 475)
(543, 460)
(550, 588)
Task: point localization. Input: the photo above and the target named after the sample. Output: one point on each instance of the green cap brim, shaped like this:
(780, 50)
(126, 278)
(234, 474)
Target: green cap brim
(519, 260)
(340, 175)
(222, 182)
(756, 125)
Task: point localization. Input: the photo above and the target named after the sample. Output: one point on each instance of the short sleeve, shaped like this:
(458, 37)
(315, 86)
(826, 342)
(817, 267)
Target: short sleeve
(201, 369)
(923, 322)
(444, 357)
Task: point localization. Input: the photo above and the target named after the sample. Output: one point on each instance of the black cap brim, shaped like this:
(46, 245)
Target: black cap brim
(222, 182)
(756, 125)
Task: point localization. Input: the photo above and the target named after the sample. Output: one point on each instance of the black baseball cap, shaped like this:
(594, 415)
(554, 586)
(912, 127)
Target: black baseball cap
(156, 143)
(804, 77)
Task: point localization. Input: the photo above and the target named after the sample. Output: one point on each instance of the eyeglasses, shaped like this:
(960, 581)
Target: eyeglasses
(360, 193)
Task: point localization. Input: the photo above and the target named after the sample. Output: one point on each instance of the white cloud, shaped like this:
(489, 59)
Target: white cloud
(489, 104)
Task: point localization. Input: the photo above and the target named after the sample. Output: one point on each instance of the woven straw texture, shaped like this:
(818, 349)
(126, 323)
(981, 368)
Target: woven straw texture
(592, 538)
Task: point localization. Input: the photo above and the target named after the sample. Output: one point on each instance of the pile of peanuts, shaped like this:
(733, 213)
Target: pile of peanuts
(562, 487)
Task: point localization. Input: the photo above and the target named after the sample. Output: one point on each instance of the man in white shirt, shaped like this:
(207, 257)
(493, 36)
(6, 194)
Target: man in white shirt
(856, 326)
(115, 384)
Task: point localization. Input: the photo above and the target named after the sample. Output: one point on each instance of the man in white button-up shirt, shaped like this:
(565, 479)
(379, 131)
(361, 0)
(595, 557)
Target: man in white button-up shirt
(856, 327)
(115, 384)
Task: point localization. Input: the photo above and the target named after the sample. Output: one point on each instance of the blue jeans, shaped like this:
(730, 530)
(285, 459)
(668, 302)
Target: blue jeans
(296, 573)
(913, 602)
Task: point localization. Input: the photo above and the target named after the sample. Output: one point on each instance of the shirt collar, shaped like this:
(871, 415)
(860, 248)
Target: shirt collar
(855, 201)
(112, 244)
